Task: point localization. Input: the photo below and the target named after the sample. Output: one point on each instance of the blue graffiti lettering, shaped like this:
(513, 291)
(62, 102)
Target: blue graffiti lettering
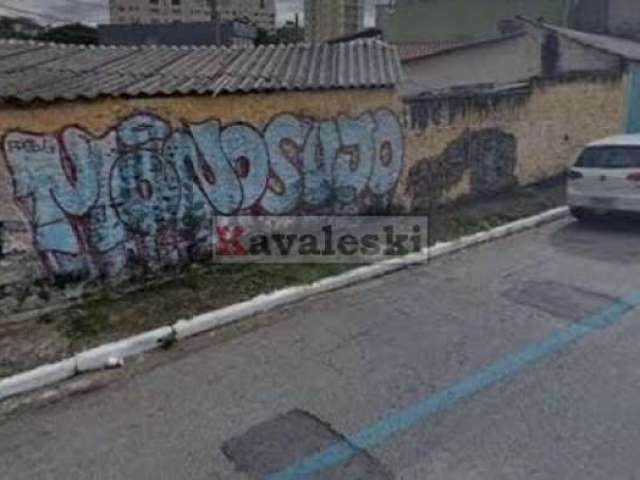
(146, 193)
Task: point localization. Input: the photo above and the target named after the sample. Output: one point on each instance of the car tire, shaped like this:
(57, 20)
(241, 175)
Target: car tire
(581, 214)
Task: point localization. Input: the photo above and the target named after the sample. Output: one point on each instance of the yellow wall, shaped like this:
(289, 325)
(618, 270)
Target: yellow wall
(541, 133)
(550, 127)
(257, 109)
(99, 115)
(43, 241)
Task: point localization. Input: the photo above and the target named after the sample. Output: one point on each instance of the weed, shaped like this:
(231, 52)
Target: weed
(169, 341)
(92, 320)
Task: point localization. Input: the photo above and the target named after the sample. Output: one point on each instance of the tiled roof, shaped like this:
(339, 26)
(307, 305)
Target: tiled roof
(39, 71)
(623, 47)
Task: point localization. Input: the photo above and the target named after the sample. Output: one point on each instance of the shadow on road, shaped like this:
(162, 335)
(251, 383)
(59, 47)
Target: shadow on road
(611, 239)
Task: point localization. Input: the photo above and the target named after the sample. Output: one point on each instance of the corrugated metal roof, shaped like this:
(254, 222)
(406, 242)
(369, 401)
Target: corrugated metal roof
(410, 51)
(629, 49)
(32, 71)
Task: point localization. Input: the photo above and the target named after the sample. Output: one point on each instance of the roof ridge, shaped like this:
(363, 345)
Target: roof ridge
(613, 45)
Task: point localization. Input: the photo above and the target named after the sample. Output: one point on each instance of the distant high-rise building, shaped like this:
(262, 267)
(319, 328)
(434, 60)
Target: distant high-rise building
(328, 19)
(192, 33)
(159, 11)
(260, 13)
(383, 10)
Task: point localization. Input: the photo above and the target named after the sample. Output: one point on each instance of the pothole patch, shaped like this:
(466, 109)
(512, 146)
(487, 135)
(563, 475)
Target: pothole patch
(276, 444)
(557, 299)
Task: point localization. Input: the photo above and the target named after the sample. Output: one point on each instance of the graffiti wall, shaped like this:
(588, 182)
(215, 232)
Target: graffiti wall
(90, 190)
(146, 193)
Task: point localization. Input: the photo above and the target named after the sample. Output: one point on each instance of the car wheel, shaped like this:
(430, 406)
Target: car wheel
(581, 214)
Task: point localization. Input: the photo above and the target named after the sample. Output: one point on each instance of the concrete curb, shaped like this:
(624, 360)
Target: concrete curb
(37, 378)
(101, 357)
(113, 353)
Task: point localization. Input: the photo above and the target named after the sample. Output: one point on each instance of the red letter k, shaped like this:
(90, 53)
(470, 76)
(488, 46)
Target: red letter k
(229, 241)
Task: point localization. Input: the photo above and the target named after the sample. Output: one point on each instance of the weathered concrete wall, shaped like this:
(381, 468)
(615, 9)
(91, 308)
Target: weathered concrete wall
(114, 188)
(496, 62)
(501, 62)
(471, 146)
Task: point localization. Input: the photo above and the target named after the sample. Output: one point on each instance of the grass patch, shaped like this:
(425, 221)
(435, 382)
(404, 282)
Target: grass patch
(90, 321)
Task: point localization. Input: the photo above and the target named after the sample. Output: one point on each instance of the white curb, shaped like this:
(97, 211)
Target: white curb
(37, 378)
(101, 357)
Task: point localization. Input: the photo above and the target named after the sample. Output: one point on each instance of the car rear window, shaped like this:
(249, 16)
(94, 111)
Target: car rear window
(610, 157)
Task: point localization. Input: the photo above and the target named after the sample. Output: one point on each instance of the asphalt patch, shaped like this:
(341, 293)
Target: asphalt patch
(276, 444)
(557, 299)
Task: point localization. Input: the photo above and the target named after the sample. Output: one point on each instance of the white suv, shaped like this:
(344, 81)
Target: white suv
(606, 178)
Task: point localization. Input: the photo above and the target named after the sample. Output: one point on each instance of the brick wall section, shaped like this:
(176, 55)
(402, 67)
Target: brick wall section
(517, 141)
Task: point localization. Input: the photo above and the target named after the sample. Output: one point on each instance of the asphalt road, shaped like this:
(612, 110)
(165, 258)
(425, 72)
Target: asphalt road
(516, 359)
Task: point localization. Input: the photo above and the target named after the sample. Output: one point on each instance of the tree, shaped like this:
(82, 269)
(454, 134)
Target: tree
(264, 38)
(71, 33)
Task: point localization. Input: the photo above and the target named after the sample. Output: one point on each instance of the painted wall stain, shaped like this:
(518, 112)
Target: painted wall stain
(488, 155)
(147, 194)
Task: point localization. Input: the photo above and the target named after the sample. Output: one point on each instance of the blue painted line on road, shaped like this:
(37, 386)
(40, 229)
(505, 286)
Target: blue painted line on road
(378, 433)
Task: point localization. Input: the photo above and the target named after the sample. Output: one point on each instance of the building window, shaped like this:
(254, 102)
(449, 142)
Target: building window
(175, 2)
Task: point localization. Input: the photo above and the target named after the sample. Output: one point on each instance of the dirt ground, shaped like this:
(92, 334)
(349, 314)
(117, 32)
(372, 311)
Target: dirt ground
(114, 315)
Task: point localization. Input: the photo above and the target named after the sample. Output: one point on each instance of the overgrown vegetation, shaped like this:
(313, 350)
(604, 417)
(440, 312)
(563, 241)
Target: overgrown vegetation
(92, 320)
(72, 33)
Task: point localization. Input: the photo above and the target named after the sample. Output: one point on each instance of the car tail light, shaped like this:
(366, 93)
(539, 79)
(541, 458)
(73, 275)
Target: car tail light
(634, 177)
(574, 175)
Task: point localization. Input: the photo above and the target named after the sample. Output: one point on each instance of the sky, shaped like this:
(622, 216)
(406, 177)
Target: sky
(96, 11)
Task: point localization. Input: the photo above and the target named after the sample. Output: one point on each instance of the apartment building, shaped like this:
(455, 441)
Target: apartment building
(159, 11)
(328, 19)
(260, 13)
